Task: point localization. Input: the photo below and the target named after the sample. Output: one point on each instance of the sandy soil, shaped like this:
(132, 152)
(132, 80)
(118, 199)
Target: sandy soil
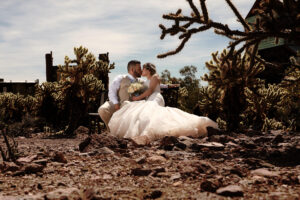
(254, 165)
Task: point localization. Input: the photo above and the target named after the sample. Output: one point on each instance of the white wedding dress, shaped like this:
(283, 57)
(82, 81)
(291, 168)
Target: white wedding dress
(150, 118)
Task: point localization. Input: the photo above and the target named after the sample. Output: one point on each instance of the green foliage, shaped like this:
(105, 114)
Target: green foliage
(230, 75)
(267, 104)
(209, 103)
(291, 83)
(166, 78)
(191, 85)
(14, 106)
(80, 85)
(51, 104)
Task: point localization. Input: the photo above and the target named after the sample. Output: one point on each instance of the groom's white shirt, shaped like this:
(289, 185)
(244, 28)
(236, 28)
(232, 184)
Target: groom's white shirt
(115, 86)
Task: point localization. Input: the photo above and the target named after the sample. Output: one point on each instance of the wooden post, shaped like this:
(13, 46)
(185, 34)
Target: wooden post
(104, 77)
(49, 67)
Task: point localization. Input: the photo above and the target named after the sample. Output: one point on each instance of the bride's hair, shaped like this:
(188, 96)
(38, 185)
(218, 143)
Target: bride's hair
(151, 67)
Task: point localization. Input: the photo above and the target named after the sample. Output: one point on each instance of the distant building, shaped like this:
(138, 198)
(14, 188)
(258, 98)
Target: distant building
(277, 53)
(24, 88)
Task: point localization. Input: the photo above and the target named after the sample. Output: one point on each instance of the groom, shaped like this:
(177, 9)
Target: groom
(118, 91)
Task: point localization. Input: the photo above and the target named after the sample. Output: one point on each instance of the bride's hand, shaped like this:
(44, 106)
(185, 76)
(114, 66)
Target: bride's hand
(134, 98)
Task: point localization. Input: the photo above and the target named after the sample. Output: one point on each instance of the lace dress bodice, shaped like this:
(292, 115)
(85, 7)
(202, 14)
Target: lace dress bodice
(157, 88)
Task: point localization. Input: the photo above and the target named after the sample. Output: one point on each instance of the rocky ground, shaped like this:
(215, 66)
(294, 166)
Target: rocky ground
(250, 165)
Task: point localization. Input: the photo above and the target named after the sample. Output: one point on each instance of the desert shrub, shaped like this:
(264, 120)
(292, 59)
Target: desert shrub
(209, 103)
(15, 106)
(51, 105)
(189, 87)
(229, 75)
(267, 107)
(80, 86)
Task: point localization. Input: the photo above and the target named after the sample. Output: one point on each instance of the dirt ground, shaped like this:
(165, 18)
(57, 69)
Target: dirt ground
(249, 165)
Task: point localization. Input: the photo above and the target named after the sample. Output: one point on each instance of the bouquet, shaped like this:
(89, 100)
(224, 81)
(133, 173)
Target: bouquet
(136, 88)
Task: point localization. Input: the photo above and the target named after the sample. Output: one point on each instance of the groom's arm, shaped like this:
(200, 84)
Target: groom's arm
(113, 91)
(163, 85)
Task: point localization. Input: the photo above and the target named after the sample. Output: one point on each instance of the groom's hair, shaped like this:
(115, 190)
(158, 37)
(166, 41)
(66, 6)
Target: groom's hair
(132, 63)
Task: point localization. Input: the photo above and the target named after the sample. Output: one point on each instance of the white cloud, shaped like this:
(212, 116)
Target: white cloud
(126, 29)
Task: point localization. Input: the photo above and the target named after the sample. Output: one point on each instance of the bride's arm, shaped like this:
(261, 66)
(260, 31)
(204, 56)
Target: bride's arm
(153, 82)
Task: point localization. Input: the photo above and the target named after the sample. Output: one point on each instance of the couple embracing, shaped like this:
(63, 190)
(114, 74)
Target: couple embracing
(145, 116)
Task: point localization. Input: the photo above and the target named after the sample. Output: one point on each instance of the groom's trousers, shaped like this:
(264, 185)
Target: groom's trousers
(105, 111)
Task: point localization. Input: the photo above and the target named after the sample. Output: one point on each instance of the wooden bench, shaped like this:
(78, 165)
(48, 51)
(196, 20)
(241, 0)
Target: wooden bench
(170, 95)
(94, 118)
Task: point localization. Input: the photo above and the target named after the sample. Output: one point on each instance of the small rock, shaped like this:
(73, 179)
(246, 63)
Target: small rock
(27, 159)
(66, 193)
(95, 142)
(178, 183)
(33, 168)
(154, 195)
(238, 171)
(156, 159)
(231, 144)
(141, 140)
(168, 143)
(231, 190)
(81, 130)
(259, 179)
(107, 176)
(175, 176)
(212, 131)
(209, 145)
(264, 172)
(105, 150)
(276, 132)
(41, 162)
(141, 160)
(84, 154)
(186, 140)
(140, 172)
(209, 186)
(9, 166)
(162, 174)
(278, 139)
(59, 157)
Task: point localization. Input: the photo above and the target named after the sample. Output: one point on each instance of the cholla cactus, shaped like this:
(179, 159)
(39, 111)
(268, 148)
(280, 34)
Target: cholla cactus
(231, 74)
(15, 106)
(11, 107)
(209, 102)
(50, 102)
(291, 83)
(80, 84)
(267, 103)
(30, 105)
(272, 124)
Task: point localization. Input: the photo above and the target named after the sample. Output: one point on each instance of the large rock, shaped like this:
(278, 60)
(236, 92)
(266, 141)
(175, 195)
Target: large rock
(231, 191)
(94, 142)
(69, 193)
(9, 166)
(156, 159)
(81, 130)
(264, 172)
(59, 157)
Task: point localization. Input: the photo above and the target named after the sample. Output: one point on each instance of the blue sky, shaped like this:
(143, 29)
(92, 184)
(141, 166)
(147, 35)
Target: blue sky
(126, 29)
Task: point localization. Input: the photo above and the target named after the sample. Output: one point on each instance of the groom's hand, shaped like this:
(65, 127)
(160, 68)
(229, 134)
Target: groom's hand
(117, 106)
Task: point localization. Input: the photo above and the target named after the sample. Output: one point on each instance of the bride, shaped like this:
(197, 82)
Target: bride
(150, 119)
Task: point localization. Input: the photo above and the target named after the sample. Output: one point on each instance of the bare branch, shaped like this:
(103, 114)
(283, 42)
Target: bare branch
(204, 10)
(238, 15)
(178, 49)
(194, 8)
